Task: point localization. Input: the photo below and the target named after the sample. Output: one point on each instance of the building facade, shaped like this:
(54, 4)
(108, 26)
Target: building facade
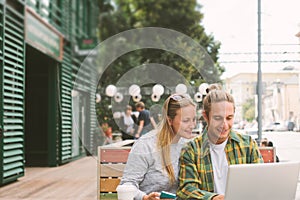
(39, 62)
(280, 98)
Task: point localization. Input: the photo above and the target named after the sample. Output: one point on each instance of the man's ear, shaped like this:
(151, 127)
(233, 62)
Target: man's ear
(205, 116)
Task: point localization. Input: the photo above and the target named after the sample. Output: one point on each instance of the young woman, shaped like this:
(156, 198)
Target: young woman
(127, 123)
(152, 164)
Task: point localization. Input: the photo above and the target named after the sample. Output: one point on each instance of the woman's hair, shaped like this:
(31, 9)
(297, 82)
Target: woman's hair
(166, 133)
(215, 94)
(128, 107)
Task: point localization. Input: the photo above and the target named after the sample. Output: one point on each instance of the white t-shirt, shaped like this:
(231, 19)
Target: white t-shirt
(128, 122)
(220, 166)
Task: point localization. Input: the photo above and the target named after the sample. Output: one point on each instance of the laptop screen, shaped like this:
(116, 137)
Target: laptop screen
(276, 181)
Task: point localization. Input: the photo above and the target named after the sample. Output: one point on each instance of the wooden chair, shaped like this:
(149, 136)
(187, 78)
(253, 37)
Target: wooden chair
(111, 163)
(268, 154)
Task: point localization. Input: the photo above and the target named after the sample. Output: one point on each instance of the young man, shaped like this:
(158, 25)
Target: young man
(204, 161)
(144, 120)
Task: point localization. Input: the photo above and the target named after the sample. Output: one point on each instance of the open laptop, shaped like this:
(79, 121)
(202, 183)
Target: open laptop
(276, 181)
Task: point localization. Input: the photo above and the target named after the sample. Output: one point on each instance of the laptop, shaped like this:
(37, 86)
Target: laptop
(276, 181)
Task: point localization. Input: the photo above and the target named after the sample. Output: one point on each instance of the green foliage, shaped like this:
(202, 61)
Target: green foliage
(249, 110)
(183, 16)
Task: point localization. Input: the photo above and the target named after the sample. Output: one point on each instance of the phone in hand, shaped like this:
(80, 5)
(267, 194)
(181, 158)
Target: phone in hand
(167, 195)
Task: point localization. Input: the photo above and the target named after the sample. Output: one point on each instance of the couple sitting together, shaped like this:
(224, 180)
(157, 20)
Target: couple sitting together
(168, 158)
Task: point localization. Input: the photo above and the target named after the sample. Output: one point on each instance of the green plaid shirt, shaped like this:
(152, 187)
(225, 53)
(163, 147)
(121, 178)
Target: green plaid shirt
(196, 178)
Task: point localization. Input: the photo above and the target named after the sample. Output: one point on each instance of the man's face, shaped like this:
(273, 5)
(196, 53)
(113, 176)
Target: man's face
(220, 121)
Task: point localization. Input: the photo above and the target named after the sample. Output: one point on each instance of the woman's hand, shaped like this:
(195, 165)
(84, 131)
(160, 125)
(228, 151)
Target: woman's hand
(152, 196)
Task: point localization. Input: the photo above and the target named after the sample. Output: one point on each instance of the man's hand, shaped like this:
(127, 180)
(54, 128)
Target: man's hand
(218, 197)
(152, 196)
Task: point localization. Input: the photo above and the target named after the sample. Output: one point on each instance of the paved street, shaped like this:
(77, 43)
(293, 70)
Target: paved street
(287, 144)
(287, 147)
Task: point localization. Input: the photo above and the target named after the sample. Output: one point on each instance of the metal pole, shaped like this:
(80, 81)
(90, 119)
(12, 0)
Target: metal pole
(259, 79)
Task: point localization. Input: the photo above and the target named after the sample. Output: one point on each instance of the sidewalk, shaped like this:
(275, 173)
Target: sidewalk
(76, 180)
(298, 190)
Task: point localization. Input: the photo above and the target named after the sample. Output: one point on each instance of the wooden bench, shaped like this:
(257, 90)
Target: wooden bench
(112, 159)
(268, 154)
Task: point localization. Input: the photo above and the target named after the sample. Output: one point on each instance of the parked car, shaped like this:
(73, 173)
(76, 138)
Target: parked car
(253, 132)
(236, 126)
(290, 126)
(275, 126)
(269, 127)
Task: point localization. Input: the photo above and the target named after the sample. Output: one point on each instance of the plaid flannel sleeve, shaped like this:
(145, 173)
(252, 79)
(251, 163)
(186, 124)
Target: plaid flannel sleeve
(256, 156)
(189, 182)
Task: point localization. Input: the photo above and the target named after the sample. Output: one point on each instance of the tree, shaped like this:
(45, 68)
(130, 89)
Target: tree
(183, 16)
(249, 110)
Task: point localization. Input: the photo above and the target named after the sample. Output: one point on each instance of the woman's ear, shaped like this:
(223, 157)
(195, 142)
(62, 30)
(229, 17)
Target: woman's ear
(169, 121)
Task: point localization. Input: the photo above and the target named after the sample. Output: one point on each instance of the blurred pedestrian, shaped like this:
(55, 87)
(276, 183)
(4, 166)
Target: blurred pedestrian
(264, 142)
(145, 121)
(127, 123)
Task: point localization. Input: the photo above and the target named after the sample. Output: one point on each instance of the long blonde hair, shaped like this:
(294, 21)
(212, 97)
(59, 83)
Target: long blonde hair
(166, 133)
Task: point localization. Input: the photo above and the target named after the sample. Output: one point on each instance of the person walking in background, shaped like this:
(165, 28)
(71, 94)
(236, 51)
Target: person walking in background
(127, 124)
(144, 120)
(152, 165)
(204, 161)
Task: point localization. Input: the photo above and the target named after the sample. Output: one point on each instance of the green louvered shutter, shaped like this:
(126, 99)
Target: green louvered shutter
(86, 83)
(93, 117)
(67, 18)
(12, 94)
(89, 82)
(66, 107)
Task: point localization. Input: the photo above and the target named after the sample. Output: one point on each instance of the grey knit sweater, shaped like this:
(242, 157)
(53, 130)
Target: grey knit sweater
(144, 166)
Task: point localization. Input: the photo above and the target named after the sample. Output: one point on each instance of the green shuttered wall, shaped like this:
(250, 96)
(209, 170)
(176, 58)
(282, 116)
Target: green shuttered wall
(66, 107)
(62, 15)
(12, 61)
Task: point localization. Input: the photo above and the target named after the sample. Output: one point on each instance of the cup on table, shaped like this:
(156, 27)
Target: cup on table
(126, 192)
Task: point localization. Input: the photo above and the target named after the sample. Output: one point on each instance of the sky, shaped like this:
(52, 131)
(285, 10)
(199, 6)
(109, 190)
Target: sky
(235, 23)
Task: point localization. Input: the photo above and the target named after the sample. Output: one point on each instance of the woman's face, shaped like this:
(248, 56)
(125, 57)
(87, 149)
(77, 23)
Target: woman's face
(184, 122)
(128, 112)
(219, 121)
